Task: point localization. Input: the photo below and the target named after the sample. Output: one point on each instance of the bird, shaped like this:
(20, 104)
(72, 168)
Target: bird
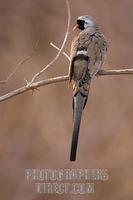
(87, 55)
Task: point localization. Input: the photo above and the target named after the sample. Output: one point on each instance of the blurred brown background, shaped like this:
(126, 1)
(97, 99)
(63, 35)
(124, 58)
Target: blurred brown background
(35, 130)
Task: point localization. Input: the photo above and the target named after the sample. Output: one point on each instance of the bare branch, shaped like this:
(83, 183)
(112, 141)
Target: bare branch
(115, 72)
(37, 84)
(19, 64)
(62, 46)
(32, 86)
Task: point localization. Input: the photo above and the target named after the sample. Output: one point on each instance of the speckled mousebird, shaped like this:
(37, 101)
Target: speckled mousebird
(88, 52)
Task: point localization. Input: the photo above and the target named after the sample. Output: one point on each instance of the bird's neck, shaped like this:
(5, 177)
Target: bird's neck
(92, 30)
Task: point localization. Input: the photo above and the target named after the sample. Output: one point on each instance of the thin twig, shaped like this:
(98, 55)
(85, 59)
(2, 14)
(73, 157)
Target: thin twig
(62, 46)
(37, 84)
(57, 48)
(19, 64)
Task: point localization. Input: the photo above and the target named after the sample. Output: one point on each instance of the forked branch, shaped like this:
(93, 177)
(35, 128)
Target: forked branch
(34, 85)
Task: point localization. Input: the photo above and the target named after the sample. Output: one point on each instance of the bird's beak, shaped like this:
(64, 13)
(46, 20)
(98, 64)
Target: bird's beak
(75, 27)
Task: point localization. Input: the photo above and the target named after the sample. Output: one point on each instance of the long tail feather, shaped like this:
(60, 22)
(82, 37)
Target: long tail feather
(79, 102)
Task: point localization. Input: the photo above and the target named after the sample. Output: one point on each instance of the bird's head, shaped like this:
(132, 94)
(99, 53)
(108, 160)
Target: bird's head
(86, 21)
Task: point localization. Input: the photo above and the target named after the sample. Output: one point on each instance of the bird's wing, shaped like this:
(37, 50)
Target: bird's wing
(79, 43)
(73, 52)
